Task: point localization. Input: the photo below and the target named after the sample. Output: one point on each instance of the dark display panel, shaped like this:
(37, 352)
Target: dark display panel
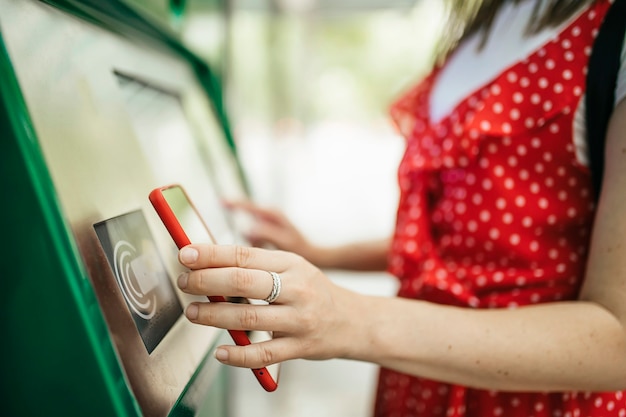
(140, 275)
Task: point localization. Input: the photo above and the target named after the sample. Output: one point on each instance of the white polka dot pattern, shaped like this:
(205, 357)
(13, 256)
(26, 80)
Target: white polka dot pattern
(495, 212)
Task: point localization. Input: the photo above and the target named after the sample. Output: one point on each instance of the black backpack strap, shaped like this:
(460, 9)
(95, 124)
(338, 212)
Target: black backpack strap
(603, 69)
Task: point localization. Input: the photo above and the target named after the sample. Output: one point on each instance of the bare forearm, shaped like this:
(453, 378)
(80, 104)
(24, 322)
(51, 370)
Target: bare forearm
(560, 346)
(361, 256)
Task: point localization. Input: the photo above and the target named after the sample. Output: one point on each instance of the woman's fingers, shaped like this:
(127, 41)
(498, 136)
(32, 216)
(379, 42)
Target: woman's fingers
(268, 232)
(258, 355)
(265, 214)
(243, 316)
(232, 282)
(218, 256)
(235, 271)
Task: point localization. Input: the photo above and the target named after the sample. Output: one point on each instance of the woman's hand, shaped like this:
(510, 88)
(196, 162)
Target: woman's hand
(309, 319)
(273, 228)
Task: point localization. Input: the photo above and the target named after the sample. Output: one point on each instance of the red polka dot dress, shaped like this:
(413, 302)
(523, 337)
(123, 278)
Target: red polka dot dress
(495, 212)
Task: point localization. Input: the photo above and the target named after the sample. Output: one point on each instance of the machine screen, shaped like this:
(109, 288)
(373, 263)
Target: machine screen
(140, 275)
(189, 218)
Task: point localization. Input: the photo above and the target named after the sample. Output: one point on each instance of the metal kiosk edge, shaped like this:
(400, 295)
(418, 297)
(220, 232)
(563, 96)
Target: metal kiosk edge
(58, 355)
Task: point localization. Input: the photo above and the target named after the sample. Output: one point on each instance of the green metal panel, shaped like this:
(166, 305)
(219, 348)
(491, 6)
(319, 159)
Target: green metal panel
(57, 358)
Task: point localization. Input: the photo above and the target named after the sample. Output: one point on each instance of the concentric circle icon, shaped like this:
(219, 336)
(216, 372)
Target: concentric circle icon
(143, 305)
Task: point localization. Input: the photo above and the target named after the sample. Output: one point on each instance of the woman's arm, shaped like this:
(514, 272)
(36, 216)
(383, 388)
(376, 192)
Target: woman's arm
(576, 345)
(359, 256)
(560, 346)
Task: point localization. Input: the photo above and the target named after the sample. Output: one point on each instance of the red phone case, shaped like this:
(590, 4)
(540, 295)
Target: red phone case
(179, 236)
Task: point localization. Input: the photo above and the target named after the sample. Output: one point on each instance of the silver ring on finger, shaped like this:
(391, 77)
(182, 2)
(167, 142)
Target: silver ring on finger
(276, 287)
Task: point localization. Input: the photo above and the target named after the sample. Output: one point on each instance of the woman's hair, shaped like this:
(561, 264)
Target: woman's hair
(468, 17)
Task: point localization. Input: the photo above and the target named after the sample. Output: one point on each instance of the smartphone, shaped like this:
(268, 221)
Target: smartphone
(184, 223)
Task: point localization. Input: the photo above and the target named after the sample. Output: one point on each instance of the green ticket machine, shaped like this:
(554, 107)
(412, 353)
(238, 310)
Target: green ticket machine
(98, 106)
